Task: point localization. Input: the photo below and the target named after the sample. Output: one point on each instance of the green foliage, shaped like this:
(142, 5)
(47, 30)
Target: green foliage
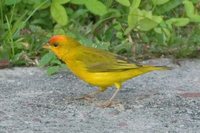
(96, 7)
(49, 59)
(13, 46)
(58, 13)
(145, 28)
(142, 20)
(190, 11)
(124, 2)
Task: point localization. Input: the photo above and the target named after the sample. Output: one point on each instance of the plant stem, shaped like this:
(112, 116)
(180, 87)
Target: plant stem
(10, 38)
(31, 14)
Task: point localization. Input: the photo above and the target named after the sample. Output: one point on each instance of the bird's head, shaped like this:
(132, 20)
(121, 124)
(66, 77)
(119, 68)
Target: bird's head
(61, 44)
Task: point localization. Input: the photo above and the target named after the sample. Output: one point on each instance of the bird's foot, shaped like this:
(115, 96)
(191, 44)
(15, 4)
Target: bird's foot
(85, 97)
(105, 104)
(89, 96)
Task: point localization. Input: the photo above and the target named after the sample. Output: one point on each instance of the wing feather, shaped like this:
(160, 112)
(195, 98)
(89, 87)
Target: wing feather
(95, 60)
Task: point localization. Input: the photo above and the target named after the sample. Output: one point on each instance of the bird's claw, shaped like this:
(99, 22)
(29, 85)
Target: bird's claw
(105, 104)
(85, 97)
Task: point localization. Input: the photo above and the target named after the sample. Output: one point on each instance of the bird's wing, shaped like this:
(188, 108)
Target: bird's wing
(95, 60)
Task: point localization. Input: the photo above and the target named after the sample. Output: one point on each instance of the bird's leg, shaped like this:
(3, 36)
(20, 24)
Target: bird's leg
(109, 102)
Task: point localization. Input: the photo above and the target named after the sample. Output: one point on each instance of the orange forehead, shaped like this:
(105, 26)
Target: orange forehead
(56, 38)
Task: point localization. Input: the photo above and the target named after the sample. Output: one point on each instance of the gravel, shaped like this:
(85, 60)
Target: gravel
(160, 101)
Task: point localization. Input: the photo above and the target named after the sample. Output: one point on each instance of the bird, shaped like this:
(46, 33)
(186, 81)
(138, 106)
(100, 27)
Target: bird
(97, 67)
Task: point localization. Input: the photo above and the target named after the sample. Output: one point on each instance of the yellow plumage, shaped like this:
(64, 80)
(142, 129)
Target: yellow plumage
(96, 67)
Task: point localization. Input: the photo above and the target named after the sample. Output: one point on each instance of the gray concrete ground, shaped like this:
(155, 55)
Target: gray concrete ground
(160, 101)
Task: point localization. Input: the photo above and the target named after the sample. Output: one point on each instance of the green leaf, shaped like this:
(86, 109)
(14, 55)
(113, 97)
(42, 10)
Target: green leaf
(133, 18)
(96, 7)
(58, 30)
(178, 21)
(195, 1)
(53, 69)
(147, 24)
(190, 11)
(56, 62)
(78, 2)
(45, 60)
(167, 33)
(189, 7)
(159, 2)
(61, 1)
(143, 20)
(135, 4)
(44, 6)
(59, 14)
(11, 2)
(124, 2)
(123, 47)
(164, 35)
(168, 6)
(195, 18)
(108, 3)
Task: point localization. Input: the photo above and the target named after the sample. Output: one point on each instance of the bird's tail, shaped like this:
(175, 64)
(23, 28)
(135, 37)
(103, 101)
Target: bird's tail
(142, 70)
(147, 68)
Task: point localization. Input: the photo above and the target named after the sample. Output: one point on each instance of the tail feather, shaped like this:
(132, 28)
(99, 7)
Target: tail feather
(152, 68)
(145, 69)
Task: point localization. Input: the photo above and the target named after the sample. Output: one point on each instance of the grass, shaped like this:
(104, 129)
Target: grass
(25, 27)
(14, 45)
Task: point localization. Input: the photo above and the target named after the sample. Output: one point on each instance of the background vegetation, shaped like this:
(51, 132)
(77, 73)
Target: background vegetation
(141, 29)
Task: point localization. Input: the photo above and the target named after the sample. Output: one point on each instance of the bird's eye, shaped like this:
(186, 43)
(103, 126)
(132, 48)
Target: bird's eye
(55, 44)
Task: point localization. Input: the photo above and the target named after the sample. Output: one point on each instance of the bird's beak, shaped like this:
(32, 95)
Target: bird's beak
(46, 46)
